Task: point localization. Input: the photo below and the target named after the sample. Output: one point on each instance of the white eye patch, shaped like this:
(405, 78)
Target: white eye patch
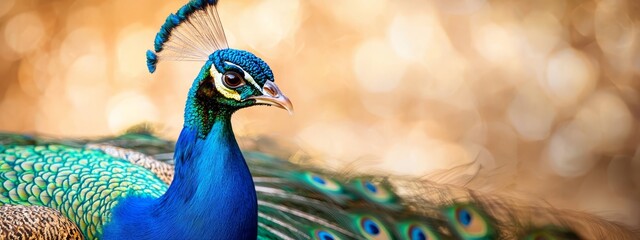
(231, 93)
(222, 89)
(247, 77)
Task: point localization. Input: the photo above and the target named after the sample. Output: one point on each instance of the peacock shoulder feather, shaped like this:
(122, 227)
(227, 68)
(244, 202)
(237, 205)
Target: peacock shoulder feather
(36, 222)
(81, 183)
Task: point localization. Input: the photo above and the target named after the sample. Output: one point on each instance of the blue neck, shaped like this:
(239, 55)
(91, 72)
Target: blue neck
(212, 195)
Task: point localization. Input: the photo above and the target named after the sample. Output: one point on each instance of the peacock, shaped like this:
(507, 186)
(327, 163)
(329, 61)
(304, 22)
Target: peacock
(203, 186)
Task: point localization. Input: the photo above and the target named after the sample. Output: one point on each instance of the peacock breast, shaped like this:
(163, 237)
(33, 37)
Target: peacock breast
(83, 184)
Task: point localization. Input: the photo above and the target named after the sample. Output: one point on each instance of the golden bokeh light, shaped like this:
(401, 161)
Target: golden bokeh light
(24, 33)
(377, 54)
(538, 97)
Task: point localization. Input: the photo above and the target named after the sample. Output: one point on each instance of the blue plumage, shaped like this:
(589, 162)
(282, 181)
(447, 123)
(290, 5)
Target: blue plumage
(167, 29)
(173, 20)
(152, 60)
(212, 195)
(258, 69)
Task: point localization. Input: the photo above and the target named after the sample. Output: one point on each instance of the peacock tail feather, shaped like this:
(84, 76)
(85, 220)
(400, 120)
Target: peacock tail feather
(303, 202)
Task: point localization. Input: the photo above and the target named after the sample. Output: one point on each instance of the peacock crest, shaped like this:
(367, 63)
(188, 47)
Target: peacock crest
(191, 34)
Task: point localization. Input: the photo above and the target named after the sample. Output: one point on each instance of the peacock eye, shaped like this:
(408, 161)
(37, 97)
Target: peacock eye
(232, 79)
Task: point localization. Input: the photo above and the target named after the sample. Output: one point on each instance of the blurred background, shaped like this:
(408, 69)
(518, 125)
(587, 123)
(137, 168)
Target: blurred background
(538, 97)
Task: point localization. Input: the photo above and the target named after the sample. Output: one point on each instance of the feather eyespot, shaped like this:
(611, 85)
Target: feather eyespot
(416, 233)
(319, 179)
(463, 216)
(417, 230)
(232, 79)
(375, 192)
(324, 235)
(370, 227)
(370, 186)
(469, 221)
(323, 183)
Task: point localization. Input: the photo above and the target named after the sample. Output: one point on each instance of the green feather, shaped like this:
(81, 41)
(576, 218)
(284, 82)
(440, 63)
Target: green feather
(48, 176)
(469, 222)
(379, 192)
(415, 229)
(370, 226)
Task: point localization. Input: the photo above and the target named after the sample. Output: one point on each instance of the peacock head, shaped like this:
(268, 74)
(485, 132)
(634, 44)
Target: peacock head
(229, 80)
(234, 79)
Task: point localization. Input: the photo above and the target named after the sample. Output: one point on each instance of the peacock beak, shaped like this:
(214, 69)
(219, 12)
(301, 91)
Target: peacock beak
(271, 95)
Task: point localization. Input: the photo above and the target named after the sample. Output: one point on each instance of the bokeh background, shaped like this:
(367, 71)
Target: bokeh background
(536, 97)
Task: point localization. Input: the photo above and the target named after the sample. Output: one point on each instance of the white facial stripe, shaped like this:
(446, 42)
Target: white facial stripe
(228, 93)
(248, 77)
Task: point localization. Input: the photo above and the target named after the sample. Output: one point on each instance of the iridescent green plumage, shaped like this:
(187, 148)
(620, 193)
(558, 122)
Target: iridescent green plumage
(83, 184)
(418, 229)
